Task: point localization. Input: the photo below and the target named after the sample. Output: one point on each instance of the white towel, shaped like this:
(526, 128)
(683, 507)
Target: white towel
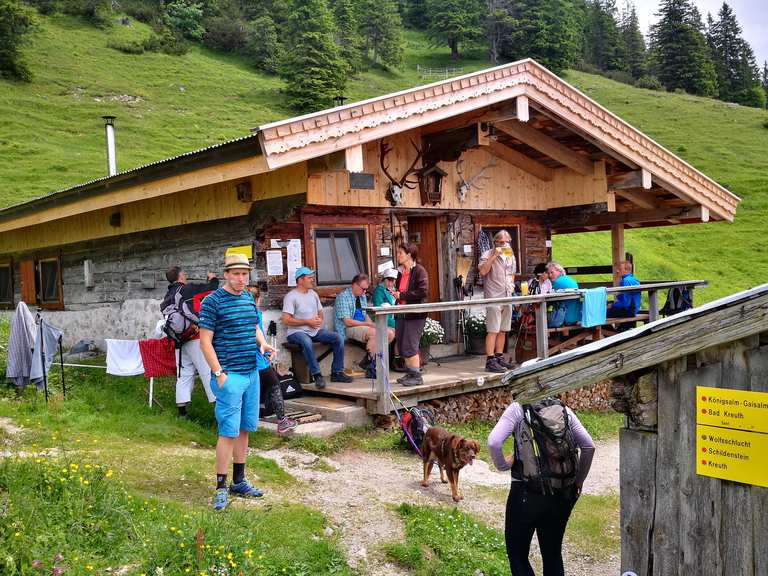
(123, 358)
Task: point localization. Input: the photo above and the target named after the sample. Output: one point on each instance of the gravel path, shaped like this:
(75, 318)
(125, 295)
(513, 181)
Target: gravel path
(356, 491)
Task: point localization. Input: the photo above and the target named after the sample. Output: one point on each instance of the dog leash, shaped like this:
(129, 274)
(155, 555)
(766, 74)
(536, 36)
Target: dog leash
(384, 374)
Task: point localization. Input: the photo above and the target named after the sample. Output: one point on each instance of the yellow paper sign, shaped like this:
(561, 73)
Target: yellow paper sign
(736, 409)
(732, 455)
(247, 250)
(732, 435)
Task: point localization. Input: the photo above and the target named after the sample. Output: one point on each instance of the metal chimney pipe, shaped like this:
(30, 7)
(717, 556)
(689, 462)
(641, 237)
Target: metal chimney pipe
(109, 134)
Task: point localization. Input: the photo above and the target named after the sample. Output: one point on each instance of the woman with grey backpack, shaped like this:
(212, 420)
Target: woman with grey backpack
(552, 456)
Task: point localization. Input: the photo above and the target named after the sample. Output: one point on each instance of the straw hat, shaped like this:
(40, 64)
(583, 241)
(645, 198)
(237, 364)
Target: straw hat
(234, 261)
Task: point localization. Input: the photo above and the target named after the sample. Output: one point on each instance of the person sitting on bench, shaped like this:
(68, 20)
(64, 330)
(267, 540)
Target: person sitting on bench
(567, 312)
(626, 304)
(303, 319)
(349, 317)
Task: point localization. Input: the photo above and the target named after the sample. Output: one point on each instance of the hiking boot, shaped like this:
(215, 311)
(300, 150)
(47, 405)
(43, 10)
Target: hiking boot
(220, 499)
(285, 425)
(504, 364)
(319, 381)
(245, 490)
(398, 365)
(492, 365)
(370, 372)
(340, 377)
(412, 378)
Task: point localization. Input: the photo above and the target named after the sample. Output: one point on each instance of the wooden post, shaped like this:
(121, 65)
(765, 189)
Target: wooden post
(653, 305)
(542, 341)
(617, 249)
(383, 402)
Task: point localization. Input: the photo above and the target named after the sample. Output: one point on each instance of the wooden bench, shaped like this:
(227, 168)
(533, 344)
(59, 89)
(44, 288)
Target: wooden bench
(596, 332)
(300, 370)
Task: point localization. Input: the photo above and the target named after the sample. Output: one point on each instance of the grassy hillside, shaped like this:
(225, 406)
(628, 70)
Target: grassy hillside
(51, 134)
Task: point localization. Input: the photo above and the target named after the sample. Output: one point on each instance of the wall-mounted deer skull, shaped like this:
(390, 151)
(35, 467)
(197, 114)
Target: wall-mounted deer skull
(395, 189)
(463, 186)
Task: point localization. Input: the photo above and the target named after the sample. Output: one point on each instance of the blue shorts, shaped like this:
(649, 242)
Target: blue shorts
(237, 403)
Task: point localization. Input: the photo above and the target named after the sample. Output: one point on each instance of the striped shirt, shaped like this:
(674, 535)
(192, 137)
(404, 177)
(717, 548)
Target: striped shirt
(233, 320)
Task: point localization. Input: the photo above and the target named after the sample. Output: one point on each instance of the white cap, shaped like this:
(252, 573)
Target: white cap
(389, 273)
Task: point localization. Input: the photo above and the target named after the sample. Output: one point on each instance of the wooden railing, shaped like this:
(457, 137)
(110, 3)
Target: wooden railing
(381, 312)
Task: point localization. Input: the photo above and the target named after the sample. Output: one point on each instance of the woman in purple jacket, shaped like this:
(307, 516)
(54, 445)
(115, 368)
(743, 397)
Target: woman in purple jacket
(530, 509)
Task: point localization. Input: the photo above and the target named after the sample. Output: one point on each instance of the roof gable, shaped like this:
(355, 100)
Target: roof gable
(296, 139)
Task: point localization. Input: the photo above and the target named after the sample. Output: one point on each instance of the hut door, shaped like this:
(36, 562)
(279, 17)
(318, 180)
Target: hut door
(423, 232)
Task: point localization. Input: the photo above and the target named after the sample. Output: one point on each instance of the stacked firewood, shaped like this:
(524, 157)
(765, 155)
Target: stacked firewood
(595, 397)
(482, 405)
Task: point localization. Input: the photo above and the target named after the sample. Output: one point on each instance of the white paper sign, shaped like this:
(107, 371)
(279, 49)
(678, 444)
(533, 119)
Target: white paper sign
(274, 262)
(384, 251)
(294, 260)
(386, 266)
(467, 249)
(274, 243)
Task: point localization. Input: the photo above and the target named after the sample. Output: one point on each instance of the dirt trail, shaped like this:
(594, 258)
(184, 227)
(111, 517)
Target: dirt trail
(357, 490)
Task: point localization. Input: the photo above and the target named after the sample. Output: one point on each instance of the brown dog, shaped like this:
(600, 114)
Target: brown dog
(451, 452)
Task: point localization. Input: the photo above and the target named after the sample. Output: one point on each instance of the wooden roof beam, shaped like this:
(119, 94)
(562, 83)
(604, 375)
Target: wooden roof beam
(548, 145)
(668, 213)
(520, 160)
(635, 179)
(642, 200)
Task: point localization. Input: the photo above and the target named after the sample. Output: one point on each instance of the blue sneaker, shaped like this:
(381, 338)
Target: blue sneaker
(220, 499)
(245, 490)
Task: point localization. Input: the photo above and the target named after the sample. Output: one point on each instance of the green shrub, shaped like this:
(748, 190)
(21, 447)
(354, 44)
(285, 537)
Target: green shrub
(127, 46)
(185, 17)
(225, 33)
(167, 42)
(649, 83)
(97, 12)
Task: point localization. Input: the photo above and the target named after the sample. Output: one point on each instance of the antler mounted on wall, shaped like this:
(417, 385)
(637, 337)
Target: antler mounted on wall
(395, 189)
(463, 186)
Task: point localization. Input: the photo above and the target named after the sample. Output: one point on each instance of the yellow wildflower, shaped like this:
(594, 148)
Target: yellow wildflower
(109, 473)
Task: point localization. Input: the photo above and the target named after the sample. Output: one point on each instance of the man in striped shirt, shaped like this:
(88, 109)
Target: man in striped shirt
(230, 339)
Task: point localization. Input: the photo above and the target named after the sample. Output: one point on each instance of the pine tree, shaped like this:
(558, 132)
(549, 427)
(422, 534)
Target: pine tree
(312, 67)
(382, 31)
(679, 52)
(416, 15)
(737, 72)
(545, 30)
(348, 35)
(497, 23)
(454, 22)
(15, 22)
(634, 43)
(603, 42)
(764, 78)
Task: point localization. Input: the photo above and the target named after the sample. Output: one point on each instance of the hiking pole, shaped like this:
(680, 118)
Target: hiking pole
(61, 364)
(42, 358)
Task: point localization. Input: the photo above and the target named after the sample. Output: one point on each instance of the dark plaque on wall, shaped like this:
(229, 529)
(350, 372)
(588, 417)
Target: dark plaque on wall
(361, 180)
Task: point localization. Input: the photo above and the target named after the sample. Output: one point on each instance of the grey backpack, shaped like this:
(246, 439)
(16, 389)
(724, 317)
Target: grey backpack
(546, 456)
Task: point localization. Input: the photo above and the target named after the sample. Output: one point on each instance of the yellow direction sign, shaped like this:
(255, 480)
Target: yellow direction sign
(247, 250)
(732, 435)
(736, 409)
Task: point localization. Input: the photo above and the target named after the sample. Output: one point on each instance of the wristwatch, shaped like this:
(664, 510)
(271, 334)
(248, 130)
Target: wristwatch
(218, 373)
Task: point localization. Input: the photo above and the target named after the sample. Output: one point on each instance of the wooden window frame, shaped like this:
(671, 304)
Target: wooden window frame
(318, 222)
(59, 304)
(507, 222)
(9, 305)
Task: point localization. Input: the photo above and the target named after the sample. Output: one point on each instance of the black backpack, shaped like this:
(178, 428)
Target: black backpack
(546, 455)
(415, 422)
(289, 388)
(678, 300)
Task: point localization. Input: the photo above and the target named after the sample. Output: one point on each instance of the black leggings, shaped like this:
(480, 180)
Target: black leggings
(270, 383)
(547, 515)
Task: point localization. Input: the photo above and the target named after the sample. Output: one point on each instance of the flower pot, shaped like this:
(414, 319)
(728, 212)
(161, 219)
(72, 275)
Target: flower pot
(477, 345)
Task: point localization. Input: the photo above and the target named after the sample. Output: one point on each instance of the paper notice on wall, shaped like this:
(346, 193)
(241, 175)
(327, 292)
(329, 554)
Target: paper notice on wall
(274, 262)
(385, 266)
(274, 243)
(294, 260)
